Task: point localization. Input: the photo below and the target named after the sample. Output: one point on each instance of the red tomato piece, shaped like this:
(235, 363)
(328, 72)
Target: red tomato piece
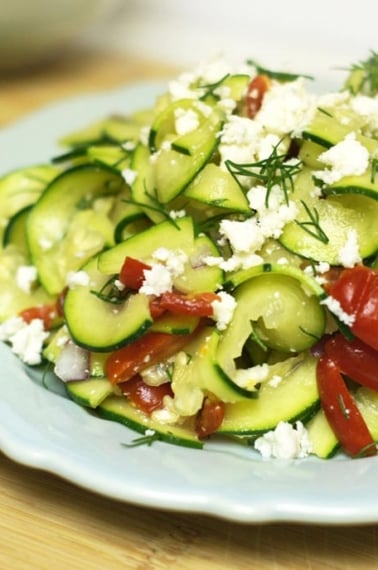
(357, 292)
(354, 359)
(342, 412)
(209, 418)
(132, 273)
(145, 397)
(47, 313)
(147, 350)
(256, 90)
(198, 305)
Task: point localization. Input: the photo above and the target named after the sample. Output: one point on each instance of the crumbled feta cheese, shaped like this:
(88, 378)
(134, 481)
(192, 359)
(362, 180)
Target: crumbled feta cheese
(223, 309)
(129, 176)
(26, 339)
(248, 236)
(286, 108)
(349, 254)
(334, 306)
(26, 276)
(275, 381)
(346, 158)
(78, 279)
(167, 414)
(128, 145)
(285, 442)
(157, 280)
(186, 121)
(176, 214)
(248, 377)
(45, 244)
(144, 135)
(174, 260)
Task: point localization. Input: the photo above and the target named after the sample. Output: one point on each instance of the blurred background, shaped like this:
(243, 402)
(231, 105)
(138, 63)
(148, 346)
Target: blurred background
(52, 48)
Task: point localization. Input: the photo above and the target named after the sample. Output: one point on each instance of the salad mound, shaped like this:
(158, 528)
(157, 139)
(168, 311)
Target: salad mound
(208, 266)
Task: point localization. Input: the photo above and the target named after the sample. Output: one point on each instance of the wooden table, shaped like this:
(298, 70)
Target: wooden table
(49, 524)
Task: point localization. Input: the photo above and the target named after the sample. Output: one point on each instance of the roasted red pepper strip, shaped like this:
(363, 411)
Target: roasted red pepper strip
(357, 292)
(255, 94)
(132, 273)
(342, 412)
(354, 359)
(197, 305)
(47, 313)
(149, 349)
(145, 397)
(209, 418)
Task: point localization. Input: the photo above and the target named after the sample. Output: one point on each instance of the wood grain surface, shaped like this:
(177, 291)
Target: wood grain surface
(49, 524)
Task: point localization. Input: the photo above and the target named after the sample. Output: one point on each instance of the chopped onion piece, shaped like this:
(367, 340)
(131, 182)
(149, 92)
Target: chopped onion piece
(72, 363)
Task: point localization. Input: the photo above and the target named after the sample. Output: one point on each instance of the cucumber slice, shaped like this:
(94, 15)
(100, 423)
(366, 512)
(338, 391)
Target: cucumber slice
(307, 282)
(216, 187)
(201, 371)
(22, 188)
(89, 393)
(327, 131)
(109, 155)
(173, 171)
(142, 190)
(294, 398)
(117, 408)
(167, 234)
(365, 185)
(284, 316)
(163, 127)
(115, 324)
(197, 277)
(15, 232)
(63, 229)
(13, 299)
(323, 441)
(338, 215)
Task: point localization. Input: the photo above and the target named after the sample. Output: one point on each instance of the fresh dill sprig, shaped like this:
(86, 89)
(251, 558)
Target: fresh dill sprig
(255, 337)
(312, 226)
(148, 440)
(374, 169)
(211, 87)
(343, 408)
(154, 206)
(278, 75)
(109, 293)
(308, 333)
(275, 170)
(363, 76)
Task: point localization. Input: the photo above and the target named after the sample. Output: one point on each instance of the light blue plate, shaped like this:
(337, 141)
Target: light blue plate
(42, 429)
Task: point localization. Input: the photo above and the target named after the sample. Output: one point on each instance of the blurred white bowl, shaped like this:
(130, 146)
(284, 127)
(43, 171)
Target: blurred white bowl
(33, 31)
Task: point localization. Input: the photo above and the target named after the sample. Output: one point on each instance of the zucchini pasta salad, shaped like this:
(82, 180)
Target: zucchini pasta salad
(207, 267)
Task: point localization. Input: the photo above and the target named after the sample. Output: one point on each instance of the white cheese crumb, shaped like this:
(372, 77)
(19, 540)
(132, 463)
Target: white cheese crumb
(174, 260)
(347, 158)
(26, 276)
(26, 339)
(186, 121)
(223, 309)
(78, 279)
(45, 243)
(334, 306)
(175, 214)
(129, 176)
(248, 377)
(285, 442)
(349, 254)
(157, 280)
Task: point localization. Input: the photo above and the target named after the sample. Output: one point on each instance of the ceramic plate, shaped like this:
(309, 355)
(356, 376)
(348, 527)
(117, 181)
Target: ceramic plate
(41, 428)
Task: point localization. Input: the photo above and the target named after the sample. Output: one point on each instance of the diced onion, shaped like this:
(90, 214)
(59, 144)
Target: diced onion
(72, 363)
